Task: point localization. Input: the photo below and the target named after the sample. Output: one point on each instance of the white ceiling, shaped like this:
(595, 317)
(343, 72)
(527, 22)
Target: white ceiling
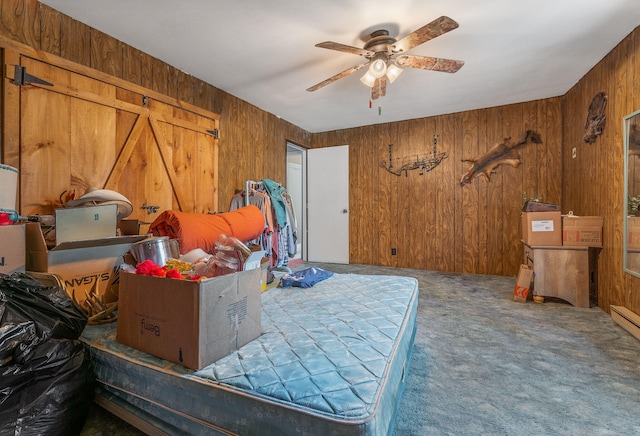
(263, 51)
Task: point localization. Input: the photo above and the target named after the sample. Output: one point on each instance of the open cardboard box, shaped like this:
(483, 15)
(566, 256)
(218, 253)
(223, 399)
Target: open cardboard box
(192, 323)
(254, 260)
(80, 264)
(12, 250)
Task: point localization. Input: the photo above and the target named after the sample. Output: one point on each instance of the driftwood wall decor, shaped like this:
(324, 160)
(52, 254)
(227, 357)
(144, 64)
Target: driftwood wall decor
(595, 118)
(500, 154)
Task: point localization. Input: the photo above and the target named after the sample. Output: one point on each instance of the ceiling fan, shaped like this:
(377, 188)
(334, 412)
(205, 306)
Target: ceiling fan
(386, 56)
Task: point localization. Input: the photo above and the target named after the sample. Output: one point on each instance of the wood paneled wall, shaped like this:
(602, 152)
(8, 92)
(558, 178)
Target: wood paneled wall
(252, 142)
(432, 221)
(594, 180)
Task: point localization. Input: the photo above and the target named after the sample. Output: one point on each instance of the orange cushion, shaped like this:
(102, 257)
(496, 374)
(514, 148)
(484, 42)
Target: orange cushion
(195, 230)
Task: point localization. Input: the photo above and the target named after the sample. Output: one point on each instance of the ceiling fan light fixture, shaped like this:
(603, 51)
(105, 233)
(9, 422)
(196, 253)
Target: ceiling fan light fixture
(393, 71)
(387, 59)
(368, 79)
(378, 68)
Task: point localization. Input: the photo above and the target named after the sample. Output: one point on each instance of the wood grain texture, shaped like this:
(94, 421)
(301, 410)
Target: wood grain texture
(50, 24)
(475, 228)
(131, 65)
(594, 180)
(79, 118)
(386, 237)
(427, 189)
(185, 89)
(259, 151)
(513, 126)
(415, 198)
(451, 228)
(46, 151)
(20, 21)
(469, 200)
(400, 235)
(106, 53)
(10, 142)
(75, 40)
(495, 238)
(161, 77)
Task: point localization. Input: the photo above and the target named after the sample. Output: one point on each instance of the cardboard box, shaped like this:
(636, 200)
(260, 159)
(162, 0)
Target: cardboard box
(254, 260)
(133, 227)
(583, 231)
(12, 250)
(523, 284)
(80, 264)
(264, 273)
(633, 232)
(187, 322)
(86, 223)
(542, 228)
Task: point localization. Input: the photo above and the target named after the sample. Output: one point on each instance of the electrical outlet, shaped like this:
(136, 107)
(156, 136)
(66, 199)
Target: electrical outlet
(573, 153)
(393, 251)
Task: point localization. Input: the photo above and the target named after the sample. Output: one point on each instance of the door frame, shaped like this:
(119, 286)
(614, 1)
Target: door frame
(299, 203)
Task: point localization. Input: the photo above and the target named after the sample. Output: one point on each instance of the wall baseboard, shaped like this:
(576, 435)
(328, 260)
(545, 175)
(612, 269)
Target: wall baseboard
(628, 320)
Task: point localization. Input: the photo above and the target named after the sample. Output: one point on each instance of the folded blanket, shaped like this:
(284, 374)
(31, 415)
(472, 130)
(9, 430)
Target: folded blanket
(195, 230)
(305, 278)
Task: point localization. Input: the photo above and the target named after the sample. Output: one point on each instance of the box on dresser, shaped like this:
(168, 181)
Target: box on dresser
(542, 228)
(583, 231)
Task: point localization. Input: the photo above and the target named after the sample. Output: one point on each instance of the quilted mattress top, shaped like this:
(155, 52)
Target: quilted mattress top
(324, 350)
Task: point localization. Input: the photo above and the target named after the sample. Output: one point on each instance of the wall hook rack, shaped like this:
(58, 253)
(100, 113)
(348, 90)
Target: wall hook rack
(424, 162)
(150, 209)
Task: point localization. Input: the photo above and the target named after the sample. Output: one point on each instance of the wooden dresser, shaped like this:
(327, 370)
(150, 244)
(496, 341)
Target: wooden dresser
(568, 273)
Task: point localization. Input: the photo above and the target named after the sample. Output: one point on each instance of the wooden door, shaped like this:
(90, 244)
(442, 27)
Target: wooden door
(79, 132)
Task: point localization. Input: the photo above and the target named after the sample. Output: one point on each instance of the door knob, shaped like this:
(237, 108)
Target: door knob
(345, 210)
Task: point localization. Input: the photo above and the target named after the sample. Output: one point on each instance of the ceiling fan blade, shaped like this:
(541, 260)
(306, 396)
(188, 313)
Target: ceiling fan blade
(345, 73)
(429, 63)
(379, 88)
(344, 48)
(427, 32)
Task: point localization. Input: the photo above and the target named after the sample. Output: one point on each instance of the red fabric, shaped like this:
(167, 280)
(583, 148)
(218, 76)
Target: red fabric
(195, 230)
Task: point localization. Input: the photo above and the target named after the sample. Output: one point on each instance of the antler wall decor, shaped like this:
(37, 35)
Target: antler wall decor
(424, 162)
(499, 154)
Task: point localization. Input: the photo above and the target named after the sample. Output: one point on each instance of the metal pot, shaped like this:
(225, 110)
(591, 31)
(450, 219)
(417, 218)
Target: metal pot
(155, 249)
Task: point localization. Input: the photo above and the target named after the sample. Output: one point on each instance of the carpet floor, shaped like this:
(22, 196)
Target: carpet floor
(484, 364)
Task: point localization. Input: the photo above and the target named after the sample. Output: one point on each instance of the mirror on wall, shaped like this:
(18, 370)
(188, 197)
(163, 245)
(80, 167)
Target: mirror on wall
(632, 193)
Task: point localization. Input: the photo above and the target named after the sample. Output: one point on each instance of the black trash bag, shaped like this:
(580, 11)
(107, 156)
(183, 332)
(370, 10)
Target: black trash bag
(49, 307)
(14, 339)
(46, 375)
(51, 394)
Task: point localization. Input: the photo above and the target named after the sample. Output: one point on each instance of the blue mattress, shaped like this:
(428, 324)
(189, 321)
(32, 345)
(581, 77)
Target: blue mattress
(332, 359)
